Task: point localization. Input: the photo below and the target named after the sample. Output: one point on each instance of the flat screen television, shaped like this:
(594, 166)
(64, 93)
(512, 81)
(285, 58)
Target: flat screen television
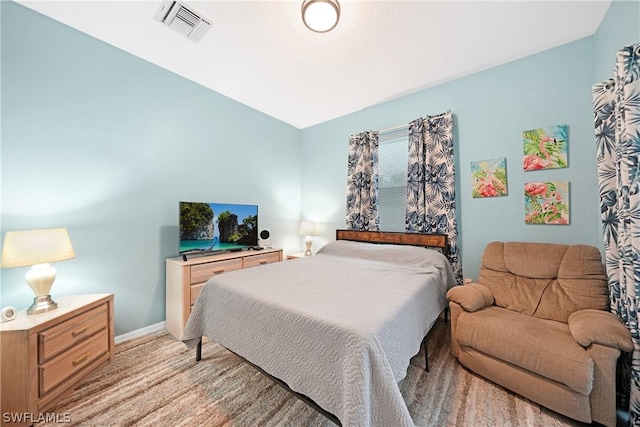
(212, 227)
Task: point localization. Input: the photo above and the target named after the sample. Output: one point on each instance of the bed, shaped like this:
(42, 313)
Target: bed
(338, 327)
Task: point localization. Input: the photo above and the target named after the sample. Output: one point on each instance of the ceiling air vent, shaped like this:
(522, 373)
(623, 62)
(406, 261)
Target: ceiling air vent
(182, 19)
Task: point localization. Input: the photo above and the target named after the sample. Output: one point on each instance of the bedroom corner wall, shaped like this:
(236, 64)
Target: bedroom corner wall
(106, 144)
(491, 109)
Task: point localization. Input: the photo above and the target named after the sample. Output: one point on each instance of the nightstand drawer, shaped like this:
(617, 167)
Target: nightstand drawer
(195, 291)
(202, 272)
(71, 361)
(65, 335)
(252, 261)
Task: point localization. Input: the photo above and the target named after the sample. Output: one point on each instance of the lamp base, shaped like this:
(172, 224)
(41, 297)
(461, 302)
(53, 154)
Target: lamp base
(307, 244)
(42, 305)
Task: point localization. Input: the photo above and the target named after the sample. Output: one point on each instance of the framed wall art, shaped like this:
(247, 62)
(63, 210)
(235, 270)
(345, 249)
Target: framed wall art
(545, 148)
(489, 178)
(546, 202)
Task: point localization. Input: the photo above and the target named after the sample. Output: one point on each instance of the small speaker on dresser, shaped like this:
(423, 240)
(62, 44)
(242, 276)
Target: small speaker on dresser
(8, 314)
(264, 239)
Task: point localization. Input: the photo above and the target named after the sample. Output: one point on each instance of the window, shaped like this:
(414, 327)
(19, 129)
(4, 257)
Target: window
(393, 158)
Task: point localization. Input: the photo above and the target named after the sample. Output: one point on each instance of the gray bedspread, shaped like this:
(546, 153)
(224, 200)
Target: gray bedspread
(339, 327)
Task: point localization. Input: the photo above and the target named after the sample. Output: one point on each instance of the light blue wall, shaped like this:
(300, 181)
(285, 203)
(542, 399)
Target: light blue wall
(491, 109)
(106, 144)
(619, 28)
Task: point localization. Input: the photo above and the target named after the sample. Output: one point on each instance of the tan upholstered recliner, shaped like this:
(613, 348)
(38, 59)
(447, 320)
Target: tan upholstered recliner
(537, 323)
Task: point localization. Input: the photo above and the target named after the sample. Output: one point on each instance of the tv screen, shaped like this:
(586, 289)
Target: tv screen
(208, 227)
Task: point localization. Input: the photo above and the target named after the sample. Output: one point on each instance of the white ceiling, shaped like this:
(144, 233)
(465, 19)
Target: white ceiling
(260, 53)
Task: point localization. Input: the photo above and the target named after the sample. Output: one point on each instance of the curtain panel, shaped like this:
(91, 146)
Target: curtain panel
(617, 128)
(362, 182)
(431, 194)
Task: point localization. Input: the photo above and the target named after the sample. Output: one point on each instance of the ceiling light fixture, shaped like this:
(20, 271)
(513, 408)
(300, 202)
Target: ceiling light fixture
(320, 15)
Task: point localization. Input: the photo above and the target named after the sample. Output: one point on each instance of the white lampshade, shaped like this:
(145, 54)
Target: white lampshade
(37, 248)
(31, 247)
(309, 228)
(320, 15)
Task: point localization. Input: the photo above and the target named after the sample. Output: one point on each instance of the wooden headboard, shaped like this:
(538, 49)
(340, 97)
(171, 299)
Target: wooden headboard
(413, 239)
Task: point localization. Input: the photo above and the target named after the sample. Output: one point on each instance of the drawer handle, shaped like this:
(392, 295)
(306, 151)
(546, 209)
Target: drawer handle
(80, 359)
(79, 331)
(221, 270)
(264, 261)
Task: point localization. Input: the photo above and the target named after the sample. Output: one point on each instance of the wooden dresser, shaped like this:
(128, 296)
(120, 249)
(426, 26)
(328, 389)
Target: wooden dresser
(185, 279)
(47, 355)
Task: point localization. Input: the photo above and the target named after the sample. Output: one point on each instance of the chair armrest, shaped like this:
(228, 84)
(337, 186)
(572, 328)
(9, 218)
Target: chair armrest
(599, 327)
(471, 297)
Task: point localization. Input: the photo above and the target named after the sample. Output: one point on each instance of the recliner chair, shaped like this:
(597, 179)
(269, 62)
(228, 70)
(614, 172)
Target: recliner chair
(537, 322)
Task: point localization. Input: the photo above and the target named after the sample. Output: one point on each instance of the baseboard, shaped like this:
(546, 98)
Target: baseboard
(160, 326)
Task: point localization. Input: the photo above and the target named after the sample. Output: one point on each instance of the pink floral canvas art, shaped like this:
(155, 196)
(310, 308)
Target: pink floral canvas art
(489, 178)
(546, 202)
(545, 148)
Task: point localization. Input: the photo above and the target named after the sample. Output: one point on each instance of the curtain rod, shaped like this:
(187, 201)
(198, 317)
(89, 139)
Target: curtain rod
(406, 126)
(394, 128)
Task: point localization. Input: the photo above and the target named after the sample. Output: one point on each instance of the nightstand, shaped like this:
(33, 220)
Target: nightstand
(45, 356)
(297, 255)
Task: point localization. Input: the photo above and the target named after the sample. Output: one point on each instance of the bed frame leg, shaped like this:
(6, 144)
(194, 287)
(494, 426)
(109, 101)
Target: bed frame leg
(199, 350)
(426, 355)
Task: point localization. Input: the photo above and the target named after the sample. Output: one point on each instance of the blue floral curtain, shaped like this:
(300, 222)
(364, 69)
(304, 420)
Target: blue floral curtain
(617, 123)
(431, 177)
(362, 182)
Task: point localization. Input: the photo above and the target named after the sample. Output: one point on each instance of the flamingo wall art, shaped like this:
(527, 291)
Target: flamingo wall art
(545, 148)
(546, 202)
(489, 178)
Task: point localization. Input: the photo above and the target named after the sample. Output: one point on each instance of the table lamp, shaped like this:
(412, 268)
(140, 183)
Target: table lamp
(308, 229)
(37, 248)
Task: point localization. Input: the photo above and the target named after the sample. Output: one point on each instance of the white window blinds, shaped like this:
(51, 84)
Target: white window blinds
(392, 182)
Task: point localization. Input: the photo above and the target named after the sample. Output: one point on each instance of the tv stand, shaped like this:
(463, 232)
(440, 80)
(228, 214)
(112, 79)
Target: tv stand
(186, 278)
